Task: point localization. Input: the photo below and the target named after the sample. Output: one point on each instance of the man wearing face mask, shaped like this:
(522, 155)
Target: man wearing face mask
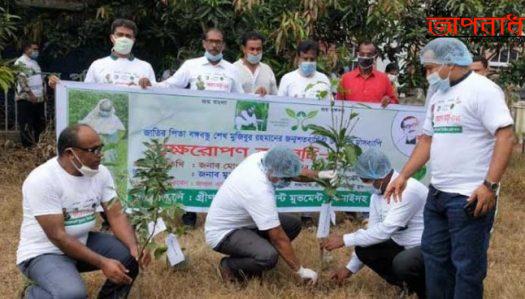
(121, 67)
(57, 241)
(255, 76)
(243, 222)
(468, 138)
(365, 83)
(306, 82)
(209, 72)
(30, 96)
(390, 245)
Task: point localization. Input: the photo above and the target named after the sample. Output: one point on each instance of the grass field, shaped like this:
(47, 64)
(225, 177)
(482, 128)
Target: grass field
(506, 277)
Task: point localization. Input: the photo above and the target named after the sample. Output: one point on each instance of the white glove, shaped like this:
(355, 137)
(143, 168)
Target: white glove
(329, 175)
(307, 274)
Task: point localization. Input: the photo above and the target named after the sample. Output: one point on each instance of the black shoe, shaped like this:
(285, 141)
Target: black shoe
(189, 219)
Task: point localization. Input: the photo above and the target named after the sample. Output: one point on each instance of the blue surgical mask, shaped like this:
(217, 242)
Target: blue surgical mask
(435, 80)
(254, 59)
(281, 183)
(34, 55)
(307, 68)
(213, 58)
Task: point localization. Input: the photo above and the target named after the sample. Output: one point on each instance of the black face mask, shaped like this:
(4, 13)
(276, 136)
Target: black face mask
(365, 62)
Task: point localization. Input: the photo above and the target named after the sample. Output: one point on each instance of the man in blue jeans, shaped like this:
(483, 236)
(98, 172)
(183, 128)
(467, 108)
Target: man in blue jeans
(468, 138)
(60, 199)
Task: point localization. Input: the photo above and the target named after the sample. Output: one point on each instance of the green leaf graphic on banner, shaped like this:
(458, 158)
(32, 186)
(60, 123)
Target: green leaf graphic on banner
(290, 113)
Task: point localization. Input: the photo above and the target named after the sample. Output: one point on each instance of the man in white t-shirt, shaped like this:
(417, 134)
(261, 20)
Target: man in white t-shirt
(468, 138)
(30, 96)
(121, 67)
(306, 82)
(60, 198)
(209, 72)
(255, 76)
(390, 245)
(243, 222)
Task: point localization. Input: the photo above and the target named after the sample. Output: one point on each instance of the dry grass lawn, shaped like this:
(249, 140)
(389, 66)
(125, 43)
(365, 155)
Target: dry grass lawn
(506, 278)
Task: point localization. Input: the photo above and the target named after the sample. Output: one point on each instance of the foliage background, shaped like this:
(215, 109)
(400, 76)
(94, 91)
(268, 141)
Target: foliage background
(260, 110)
(170, 30)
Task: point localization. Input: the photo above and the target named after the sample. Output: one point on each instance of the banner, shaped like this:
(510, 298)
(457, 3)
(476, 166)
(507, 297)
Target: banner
(210, 133)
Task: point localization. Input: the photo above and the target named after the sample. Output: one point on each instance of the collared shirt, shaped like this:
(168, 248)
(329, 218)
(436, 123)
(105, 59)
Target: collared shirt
(400, 221)
(30, 79)
(262, 77)
(200, 74)
(371, 89)
(295, 85)
(119, 71)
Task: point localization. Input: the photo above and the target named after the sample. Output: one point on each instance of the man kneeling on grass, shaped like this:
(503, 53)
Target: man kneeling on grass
(390, 245)
(243, 222)
(60, 199)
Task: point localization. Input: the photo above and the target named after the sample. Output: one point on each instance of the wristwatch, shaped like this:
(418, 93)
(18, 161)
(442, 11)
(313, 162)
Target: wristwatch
(492, 186)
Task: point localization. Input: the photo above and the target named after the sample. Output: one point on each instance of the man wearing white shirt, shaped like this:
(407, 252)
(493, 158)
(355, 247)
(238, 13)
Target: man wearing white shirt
(306, 82)
(121, 67)
(390, 245)
(255, 76)
(468, 139)
(30, 96)
(243, 221)
(209, 72)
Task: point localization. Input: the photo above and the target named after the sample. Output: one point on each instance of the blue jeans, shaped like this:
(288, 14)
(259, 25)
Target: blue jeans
(58, 276)
(454, 247)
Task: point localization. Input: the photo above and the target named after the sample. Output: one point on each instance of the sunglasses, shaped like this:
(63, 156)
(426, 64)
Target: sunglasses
(97, 150)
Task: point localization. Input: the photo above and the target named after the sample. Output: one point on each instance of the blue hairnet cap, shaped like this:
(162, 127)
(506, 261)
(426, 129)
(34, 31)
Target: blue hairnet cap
(282, 162)
(446, 50)
(373, 164)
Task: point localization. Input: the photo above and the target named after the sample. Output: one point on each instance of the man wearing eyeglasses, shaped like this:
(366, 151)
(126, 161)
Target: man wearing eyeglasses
(60, 199)
(209, 72)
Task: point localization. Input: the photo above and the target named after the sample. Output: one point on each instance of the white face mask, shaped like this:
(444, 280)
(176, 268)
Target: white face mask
(123, 45)
(83, 169)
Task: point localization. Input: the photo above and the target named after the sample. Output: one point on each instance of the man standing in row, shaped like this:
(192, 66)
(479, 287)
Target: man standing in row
(365, 83)
(255, 76)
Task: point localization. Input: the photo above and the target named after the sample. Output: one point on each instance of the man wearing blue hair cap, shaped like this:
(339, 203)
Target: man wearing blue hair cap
(468, 138)
(243, 222)
(390, 245)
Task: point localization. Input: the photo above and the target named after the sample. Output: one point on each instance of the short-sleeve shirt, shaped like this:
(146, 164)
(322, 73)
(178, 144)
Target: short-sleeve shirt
(295, 85)
(50, 190)
(246, 199)
(462, 122)
(200, 74)
(119, 71)
(355, 87)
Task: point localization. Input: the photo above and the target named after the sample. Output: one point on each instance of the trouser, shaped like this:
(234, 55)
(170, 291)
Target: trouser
(31, 120)
(250, 251)
(58, 276)
(395, 264)
(454, 247)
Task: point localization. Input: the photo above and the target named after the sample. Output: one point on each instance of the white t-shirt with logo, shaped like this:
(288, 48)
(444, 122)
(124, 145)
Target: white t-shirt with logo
(246, 199)
(295, 85)
(119, 71)
(462, 122)
(262, 77)
(200, 74)
(33, 74)
(50, 190)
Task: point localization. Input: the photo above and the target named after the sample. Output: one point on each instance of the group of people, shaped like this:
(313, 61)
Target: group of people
(432, 241)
